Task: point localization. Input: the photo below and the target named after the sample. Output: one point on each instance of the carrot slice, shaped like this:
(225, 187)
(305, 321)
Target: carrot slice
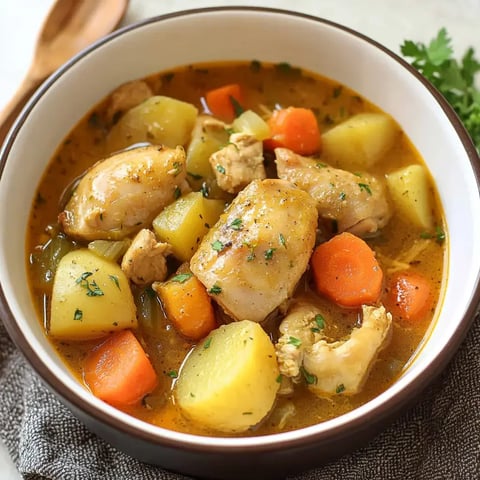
(221, 101)
(187, 305)
(118, 371)
(296, 129)
(346, 271)
(409, 296)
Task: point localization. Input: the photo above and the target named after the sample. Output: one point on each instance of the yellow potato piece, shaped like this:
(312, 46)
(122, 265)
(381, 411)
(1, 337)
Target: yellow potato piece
(91, 298)
(185, 222)
(359, 142)
(251, 123)
(159, 120)
(409, 189)
(230, 380)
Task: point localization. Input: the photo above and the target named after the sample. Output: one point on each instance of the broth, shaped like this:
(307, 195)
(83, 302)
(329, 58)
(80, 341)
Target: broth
(399, 244)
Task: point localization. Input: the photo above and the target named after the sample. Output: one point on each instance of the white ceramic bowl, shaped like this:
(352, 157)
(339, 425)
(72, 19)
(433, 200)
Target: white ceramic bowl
(220, 34)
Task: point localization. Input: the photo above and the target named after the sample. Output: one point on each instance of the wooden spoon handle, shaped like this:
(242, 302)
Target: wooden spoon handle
(13, 108)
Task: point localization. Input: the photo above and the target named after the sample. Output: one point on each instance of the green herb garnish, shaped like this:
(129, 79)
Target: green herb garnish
(218, 246)
(309, 377)
(181, 277)
(296, 342)
(220, 168)
(269, 253)
(215, 290)
(455, 80)
(365, 187)
(340, 388)
(78, 315)
(236, 224)
(114, 279)
(93, 290)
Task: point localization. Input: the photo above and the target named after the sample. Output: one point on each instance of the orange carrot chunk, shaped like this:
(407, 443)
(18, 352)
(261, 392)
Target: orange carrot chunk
(187, 305)
(118, 371)
(296, 129)
(221, 101)
(409, 296)
(346, 271)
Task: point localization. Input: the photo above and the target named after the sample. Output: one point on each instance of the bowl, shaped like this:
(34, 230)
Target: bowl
(213, 34)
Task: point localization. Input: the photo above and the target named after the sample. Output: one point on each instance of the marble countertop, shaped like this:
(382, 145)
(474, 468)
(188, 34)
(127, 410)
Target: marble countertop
(387, 21)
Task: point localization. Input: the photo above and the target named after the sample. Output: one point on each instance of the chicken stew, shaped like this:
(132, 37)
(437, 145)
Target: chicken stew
(236, 257)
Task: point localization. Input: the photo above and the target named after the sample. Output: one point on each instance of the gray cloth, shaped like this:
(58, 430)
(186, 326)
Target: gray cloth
(439, 438)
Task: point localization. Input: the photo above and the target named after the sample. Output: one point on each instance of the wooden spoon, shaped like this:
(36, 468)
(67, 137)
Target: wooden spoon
(70, 26)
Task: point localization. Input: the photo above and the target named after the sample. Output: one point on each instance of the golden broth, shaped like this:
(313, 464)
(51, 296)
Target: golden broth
(265, 86)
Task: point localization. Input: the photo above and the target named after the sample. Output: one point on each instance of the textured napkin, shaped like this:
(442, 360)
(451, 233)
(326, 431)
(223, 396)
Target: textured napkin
(439, 438)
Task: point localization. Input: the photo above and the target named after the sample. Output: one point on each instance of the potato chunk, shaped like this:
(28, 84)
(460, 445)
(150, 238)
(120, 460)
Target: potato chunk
(409, 189)
(158, 120)
(91, 298)
(359, 142)
(229, 382)
(185, 222)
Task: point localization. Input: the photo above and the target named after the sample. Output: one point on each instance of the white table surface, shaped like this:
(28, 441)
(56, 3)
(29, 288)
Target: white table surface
(387, 21)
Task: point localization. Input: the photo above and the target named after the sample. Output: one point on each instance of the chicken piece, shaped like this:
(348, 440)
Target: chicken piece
(145, 261)
(252, 259)
(238, 163)
(357, 202)
(299, 324)
(335, 367)
(122, 194)
(125, 97)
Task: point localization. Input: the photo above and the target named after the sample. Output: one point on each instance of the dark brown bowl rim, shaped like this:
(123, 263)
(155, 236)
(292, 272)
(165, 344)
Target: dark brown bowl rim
(223, 445)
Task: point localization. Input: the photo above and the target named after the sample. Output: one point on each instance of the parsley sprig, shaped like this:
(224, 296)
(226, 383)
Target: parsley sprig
(455, 80)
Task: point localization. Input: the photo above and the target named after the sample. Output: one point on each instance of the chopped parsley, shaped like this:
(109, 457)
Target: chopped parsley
(114, 279)
(215, 290)
(93, 290)
(296, 342)
(365, 187)
(340, 388)
(439, 235)
(220, 168)
(269, 253)
(236, 224)
(319, 322)
(218, 246)
(78, 315)
(176, 193)
(172, 374)
(279, 378)
(342, 196)
(181, 277)
(281, 239)
(207, 343)
(309, 377)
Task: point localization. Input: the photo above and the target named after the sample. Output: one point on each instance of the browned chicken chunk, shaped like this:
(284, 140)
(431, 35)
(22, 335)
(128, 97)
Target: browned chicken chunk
(238, 163)
(356, 201)
(145, 261)
(123, 193)
(252, 259)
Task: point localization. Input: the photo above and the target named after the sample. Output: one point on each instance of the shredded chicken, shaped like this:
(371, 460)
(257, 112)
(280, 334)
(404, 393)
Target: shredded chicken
(357, 202)
(332, 367)
(145, 260)
(238, 163)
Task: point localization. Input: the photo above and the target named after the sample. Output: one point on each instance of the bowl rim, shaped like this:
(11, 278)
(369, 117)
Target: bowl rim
(266, 442)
